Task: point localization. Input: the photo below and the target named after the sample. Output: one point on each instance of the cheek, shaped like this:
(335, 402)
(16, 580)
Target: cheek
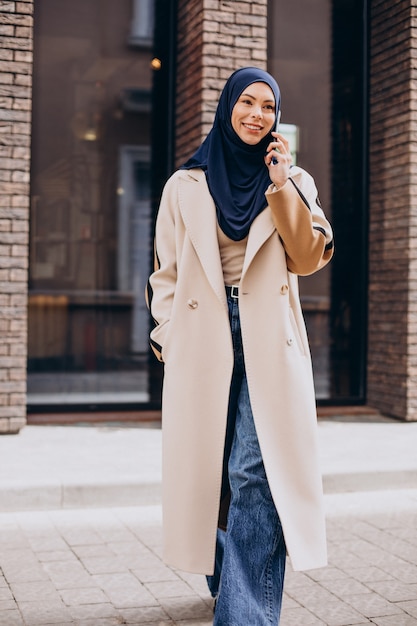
(271, 124)
(234, 121)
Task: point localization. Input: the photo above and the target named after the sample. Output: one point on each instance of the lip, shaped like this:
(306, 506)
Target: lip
(252, 128)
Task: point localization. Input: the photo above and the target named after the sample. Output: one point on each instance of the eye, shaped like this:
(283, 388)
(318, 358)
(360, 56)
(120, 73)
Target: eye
(269, 107)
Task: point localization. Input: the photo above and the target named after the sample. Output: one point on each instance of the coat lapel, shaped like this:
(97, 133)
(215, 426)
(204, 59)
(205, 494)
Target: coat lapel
(199, 215)
(261, 229)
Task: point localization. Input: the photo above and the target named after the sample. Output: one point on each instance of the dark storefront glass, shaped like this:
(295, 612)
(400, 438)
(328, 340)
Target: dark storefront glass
(323, 80)
(91, 207)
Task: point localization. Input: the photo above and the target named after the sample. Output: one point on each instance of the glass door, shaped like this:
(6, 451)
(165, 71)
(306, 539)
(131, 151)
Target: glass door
(323, 78)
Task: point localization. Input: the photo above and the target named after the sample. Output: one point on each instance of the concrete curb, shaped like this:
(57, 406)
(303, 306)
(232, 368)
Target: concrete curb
(38, 497)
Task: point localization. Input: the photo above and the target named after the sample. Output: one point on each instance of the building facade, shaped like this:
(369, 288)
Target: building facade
(121, 95)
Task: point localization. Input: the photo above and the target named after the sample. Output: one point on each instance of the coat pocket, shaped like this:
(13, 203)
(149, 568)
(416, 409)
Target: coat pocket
(158, 338)
(296, 332)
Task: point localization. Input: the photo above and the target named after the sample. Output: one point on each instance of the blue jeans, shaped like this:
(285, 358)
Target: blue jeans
(250, 556)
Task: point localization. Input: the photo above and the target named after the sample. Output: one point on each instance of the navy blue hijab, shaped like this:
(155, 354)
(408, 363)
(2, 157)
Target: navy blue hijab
(236, 173)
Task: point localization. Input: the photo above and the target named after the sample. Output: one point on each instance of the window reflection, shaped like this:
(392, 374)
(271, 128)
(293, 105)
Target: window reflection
(90, 210)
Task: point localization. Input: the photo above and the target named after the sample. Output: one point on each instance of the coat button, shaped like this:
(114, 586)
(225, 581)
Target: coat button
(290, 341)
(192, 304)
(284, 289)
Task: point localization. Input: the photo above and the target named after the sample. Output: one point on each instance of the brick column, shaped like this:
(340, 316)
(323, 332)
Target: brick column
(16, 25)
(215, 38)
(392, 349)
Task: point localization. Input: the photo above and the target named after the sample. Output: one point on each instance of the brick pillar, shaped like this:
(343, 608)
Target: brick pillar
(215, 38)
(392, 349)
(16, 24)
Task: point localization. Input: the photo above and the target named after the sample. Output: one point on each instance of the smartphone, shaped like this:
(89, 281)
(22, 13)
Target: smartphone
(274, 160)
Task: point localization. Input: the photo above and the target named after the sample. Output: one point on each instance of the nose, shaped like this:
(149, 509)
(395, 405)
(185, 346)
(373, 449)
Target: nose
(257, 111)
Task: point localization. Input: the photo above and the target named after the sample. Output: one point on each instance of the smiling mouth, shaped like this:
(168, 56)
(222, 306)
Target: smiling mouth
(252, 127)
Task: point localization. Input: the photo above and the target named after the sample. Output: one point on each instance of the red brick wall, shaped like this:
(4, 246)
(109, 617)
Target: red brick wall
(392, 347)
(15, 129)
(215, 38)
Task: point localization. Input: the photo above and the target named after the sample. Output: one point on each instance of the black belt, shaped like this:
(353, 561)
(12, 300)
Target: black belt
(233, 291)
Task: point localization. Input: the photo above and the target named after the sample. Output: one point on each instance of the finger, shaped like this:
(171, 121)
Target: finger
(275, 133)
(280, 138)
(276, 146)
(271, 159)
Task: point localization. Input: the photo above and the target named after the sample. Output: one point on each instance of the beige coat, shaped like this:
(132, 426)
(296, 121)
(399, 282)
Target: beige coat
(192, 336)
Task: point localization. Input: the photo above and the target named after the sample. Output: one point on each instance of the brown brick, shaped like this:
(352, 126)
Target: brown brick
(23, 31)
(6, 6)
(13, 43)
(24, 80)
(22, 55)
(5, 55)
(21, 176)
(17, 20)
(7, 30)
(6, 78)
(235, 7)
(24, 7)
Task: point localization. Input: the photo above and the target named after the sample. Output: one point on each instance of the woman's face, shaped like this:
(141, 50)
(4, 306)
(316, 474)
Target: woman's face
(253, 115)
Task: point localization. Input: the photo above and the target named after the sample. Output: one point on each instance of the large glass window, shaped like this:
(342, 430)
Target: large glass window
(322, 77)
(91, 205)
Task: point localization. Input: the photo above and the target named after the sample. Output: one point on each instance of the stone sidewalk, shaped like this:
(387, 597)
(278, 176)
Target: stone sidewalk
(102, 567)
(74, 551)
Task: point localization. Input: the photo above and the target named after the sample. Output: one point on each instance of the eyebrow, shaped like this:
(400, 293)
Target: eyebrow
(253, 97)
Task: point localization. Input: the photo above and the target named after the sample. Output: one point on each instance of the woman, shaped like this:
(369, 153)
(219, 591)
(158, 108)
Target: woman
(235, 226)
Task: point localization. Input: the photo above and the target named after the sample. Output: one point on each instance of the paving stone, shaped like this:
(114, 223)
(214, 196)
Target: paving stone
(312, 596)
(369, 574)
(372, 605)
(89, 595)
(345, 587)
(67, 575)
(32, 591)
(10, 617)
(394, 590)
(197, 582)
(206, 622)
(297, 579)
(93, 611)
(409, 607)
(7, 605)
(104, 621)
(144, 615)
(80, 536)
(56, 555)
(124, 590)
(398, 620)
(327, 573)
(169, 589)
(23, 569)
(289, 603)
(186, 608)
(299, 617)
(337, 613)
(96, 550)
(157, 573)
(39, 613)
(5, 594)
(103, 565)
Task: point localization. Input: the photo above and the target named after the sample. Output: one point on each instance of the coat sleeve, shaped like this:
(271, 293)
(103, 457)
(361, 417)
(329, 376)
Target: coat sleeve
(161, 284)
(301, 224)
